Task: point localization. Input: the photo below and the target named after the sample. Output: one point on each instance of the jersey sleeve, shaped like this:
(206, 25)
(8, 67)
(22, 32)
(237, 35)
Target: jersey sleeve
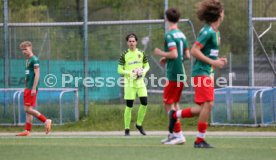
(145, 59)
(122, 59)
(170, 42)
(35, 62)
(121, 65)
(186, 47)
(146, 66)
(203, 38)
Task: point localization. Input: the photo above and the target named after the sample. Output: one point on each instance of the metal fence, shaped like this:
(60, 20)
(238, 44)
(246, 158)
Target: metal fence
(61, 104)
(85, 38)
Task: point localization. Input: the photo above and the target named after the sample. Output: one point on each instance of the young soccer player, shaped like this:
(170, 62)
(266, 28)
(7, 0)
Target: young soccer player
(32, 74)
(206, 51)
(133, 64)
(176, 46)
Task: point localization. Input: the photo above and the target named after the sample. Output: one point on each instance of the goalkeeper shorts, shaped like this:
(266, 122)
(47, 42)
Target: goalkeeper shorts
(131, 92)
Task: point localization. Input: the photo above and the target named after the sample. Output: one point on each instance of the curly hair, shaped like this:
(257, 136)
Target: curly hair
(209, 10)
(172, 15)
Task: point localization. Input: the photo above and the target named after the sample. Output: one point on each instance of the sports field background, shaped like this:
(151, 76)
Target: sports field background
(115, 146)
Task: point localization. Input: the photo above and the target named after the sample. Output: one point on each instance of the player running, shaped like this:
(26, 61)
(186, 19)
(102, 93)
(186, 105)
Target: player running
(173, 55)
(32, 74)
(206, 51)
(133, 64)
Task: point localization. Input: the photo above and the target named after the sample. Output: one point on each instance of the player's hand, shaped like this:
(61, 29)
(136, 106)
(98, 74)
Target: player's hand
(33, 92)
(224, 59)
(163, 61)
(140, 72)
(219, 63)
(133, 74)
(157, 51)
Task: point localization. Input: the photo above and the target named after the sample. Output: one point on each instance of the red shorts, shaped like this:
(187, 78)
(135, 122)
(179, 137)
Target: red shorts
(29, 100)
(172, 92)
(204, 89)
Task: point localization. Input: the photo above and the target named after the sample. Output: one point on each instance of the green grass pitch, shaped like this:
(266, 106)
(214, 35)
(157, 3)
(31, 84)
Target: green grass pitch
(133, 148)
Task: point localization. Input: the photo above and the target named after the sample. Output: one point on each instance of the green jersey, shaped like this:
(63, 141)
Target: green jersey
(129, 61)
(209, 41)
(175, 39)
(31, 64)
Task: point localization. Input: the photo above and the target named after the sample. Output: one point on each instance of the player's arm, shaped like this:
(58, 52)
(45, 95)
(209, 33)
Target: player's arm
(196, 52)
(170, 43)
(121, 68)
(36, 79)
(172, 54)
(186, 50)
(146, 65)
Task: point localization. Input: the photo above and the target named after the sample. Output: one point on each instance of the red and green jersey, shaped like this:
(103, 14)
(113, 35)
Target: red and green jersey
(175, 39)
(31, 64)
(209, 41)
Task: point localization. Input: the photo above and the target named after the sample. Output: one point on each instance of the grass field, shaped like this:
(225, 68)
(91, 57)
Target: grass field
(114, 147)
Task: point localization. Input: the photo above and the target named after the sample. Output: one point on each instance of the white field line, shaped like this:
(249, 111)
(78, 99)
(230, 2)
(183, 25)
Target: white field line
(119, 134)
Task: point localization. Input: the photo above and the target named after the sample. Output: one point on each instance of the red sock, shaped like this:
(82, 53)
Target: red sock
(28, 126)
(177, 127)
(186, 113)
(202, 127)
(42, 118)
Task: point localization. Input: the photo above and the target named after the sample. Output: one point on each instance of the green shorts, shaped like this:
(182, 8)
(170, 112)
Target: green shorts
(130, 92)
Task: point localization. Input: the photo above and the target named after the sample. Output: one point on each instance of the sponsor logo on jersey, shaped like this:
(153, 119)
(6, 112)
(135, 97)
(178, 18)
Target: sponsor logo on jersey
(179, 35)
(171, 44)
(27, 71)
(134, 62)
(214, 52)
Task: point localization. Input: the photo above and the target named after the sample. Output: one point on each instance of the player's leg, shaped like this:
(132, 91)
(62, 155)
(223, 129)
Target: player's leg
(172, 103)
(168, 105)
(204, 96)
(142, 93)
(203, 125)
(28, 126)
(40, 117)
(130, 95)
(29, 104)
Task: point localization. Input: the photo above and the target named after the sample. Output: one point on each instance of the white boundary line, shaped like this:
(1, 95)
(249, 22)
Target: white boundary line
(149, 134)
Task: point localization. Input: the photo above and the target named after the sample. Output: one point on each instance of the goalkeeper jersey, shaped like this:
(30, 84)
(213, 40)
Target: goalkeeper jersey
(31, 63)
(129, 61)
(209, 41)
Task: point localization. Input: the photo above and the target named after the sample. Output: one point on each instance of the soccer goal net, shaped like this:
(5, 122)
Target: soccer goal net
(264, 51)
(60, 105)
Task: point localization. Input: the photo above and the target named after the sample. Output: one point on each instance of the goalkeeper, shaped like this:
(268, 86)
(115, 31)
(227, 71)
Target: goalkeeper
(133, 64)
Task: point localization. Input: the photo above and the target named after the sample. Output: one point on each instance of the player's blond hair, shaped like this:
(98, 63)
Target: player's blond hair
(25, 44)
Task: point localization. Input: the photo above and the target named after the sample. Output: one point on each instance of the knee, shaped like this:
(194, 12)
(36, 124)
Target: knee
(144, 101)
(129, 103)
(27, 109)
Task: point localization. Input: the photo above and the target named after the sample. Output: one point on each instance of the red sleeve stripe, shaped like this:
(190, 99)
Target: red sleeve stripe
(199, 44)
(186, 49)
(172, 48)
